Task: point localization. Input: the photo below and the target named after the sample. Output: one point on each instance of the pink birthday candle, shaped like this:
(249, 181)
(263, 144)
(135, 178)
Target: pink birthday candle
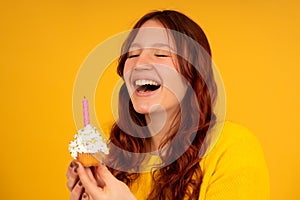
(86, 115)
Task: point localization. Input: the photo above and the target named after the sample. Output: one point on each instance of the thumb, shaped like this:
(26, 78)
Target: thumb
(105, 175)
(88, 182)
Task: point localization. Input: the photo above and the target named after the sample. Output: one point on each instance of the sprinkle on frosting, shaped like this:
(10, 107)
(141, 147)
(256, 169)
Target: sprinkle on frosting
(87, 140)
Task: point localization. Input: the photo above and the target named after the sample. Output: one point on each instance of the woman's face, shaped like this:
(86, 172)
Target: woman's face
(151, 71)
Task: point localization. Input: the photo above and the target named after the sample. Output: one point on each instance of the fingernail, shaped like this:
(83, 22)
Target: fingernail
(76, 167)
(79, 183)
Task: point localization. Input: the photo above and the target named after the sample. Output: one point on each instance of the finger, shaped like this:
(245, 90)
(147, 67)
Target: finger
(71, 176)
(85, 196)
(70, 168)
(99, 180)
(71, 165)
(71, 183)
(91, 175)
(77, 191)
(90, 186)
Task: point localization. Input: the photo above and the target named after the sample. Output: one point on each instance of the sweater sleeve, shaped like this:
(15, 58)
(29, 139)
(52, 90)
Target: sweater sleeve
(236, 169)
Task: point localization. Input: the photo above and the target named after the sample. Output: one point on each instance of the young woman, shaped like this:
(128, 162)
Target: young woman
(158, 146)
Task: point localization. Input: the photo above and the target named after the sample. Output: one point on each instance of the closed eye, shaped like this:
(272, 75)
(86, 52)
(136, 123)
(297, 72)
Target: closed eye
(161, 55)
(133, 56)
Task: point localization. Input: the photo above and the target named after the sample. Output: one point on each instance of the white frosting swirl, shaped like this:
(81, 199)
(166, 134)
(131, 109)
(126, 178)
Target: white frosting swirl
(87, 140)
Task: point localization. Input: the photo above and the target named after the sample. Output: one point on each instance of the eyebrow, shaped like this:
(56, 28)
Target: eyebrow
(157, 45)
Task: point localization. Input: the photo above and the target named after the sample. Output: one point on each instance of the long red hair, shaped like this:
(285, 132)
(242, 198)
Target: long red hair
(182, 177)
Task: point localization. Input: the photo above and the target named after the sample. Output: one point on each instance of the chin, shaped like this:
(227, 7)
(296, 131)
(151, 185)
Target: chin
(148, 108)
(141, 110)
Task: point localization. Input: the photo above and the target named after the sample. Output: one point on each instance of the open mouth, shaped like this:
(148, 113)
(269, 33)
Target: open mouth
(146, 85)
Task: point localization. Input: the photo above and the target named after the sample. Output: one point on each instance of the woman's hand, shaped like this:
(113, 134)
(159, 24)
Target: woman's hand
(100, 186)
(73, 183)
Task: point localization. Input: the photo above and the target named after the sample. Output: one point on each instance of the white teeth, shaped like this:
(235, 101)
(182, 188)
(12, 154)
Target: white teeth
(145, 82)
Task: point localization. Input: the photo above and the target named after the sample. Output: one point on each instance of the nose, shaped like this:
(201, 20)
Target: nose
(144, 60)
(143, 67)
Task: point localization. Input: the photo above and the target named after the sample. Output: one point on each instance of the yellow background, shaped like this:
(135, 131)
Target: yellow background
(255, 45)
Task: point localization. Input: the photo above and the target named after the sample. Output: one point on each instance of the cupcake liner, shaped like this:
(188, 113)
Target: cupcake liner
(88, 160)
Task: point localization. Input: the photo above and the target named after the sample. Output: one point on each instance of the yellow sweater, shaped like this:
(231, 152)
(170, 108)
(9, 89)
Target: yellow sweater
(234, 169)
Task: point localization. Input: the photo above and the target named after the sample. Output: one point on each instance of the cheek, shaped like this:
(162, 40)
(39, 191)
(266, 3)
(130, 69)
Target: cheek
(127, 69)
(173, 63)
(126, 75)
(126, 66)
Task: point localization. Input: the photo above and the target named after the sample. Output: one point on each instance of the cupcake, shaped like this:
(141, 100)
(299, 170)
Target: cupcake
(88, 146)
